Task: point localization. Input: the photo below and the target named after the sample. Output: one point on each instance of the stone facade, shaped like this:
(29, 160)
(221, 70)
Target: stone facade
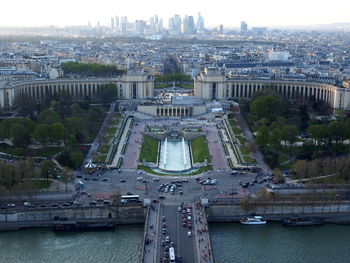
(212, 84)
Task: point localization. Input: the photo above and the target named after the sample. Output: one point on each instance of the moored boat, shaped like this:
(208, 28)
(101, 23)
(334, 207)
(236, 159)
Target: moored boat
(303, 222)
(254, 220)
(90, 226)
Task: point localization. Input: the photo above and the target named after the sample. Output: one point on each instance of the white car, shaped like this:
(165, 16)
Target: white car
(139, 178)
(189, 233)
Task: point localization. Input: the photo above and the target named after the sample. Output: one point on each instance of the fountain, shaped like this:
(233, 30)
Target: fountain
(174, 155)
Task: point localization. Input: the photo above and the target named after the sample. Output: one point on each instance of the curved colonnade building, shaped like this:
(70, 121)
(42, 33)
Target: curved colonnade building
(212, 84)
(136, 84)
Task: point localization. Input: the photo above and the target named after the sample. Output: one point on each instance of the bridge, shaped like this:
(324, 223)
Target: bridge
(182, 228)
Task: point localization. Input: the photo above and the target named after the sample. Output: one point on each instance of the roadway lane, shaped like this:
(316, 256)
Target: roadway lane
(184, 245)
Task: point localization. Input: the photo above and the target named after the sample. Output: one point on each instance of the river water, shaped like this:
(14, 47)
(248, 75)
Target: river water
(231, 243)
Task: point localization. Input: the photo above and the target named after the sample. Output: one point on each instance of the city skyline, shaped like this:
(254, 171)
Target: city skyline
(300, 13)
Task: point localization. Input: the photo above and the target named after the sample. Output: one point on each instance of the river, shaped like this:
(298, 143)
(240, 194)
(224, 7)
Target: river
(274, 243)
(231, 243)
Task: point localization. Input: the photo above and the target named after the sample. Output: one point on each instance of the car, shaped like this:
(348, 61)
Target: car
(65, 205)
(93, 203)
(184, 224)
(161, 197)
(43, 205)
(104, 180)
(179, 209)
(163, 218)
(54, 205)
(172, 244)
(139, 178)
(189, 233)
(233, 193)
(163, 243)
(119, 171)
(167, 239)
(95, 179)
(107, 202)
(163, 225)
(188, 210)
(122, 181)
(79, 176)
(155, 179)
(189, 226)
(181, 193)
(11, 205)
(189, 218)
(86, 178)
(129, 193)
(144, 181)
(27, 204)
(3, 207)
(166, 249)
(164, 232)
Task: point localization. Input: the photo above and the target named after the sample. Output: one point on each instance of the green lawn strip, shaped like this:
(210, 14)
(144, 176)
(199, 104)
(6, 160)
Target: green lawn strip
(241, 139)
(248, 159)
(101, 158)
(161, 86)
(244, 150)
(282, 158)
(233, 122)
(236, 130)
(286, 166)
(104, 149)
(200, 150)
(149, 149)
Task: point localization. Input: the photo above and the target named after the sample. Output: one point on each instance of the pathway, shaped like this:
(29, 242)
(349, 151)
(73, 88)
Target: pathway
(218, 157)
(123, 140)
(134, 146)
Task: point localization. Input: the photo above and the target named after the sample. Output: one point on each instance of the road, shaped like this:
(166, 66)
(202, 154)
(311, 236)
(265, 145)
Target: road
(184, 245)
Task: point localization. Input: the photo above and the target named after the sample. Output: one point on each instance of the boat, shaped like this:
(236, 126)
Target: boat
(84, 226)
(303, 222)
(254, 220)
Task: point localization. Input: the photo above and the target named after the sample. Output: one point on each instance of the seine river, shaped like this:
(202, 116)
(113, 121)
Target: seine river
(231, 242)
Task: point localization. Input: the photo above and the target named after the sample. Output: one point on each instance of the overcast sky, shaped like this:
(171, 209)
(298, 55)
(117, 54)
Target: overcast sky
(227, 12)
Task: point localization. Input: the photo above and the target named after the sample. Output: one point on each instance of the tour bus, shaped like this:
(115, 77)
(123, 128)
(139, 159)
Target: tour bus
(130, 199)
(172, 254)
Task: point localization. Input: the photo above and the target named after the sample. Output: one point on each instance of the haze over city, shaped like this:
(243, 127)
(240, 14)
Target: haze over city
(271, 13)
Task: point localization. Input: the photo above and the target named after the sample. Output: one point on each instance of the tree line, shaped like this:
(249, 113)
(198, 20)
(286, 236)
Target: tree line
(176, 77)
(91, 70)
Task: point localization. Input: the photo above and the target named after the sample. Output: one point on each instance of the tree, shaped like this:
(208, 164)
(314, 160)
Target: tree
(263, 137)
(77, 158)
(270, 106)
(49, 117)
(108, 93)
(42, 133)
(57, 132)
(318, 132)
(20, 135)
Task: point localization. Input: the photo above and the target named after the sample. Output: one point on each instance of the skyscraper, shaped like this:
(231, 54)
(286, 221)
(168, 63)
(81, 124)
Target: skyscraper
(112, 22)
(244, 26)
(200, 23)
(220, 29)
(117, 21)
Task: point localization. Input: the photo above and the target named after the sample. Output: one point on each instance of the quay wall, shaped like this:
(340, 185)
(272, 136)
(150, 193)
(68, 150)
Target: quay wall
(332, 212)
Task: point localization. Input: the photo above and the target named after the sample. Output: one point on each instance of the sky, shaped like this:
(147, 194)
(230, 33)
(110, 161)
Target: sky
(226, 12)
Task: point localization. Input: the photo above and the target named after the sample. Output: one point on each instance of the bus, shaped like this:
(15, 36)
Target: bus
(172, 254)
(130, 198)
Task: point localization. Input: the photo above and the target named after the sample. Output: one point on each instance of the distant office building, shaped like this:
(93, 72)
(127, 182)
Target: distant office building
(112, 22)
(259, 30)
(89, 24)
(175, 23)
(220, 29)
(140, 27)
(244, 26)
(124, 25)
(117, 21)
(188, 26)
(200, 23)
